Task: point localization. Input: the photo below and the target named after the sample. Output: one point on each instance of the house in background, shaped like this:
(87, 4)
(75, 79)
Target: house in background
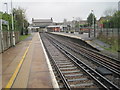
(100, 22)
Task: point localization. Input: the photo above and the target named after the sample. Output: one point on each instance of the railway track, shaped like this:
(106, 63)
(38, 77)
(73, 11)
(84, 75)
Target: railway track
(94, 54)
(73, 72)
(114, 77)
(107, 62)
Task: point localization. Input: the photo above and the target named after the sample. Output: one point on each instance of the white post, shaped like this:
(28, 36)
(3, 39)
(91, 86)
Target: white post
(8, 35)
(8, 26)
(13, 34)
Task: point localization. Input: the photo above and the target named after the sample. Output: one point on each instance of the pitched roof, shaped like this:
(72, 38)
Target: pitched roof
(42, 20)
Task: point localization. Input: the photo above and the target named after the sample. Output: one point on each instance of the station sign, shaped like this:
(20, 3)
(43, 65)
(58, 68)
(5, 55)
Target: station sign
(3, 22)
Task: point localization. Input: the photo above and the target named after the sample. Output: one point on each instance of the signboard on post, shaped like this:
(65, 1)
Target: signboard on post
(3, 22)
(1, 34)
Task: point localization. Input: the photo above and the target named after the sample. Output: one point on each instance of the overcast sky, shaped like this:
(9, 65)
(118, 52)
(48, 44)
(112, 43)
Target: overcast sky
(60, 9)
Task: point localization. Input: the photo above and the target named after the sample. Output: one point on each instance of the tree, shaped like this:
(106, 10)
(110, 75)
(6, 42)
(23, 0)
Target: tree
(113, 21)
(78, 19)
(65, 21)
(7, 17)
(26, 24)
(21, 21)
(1, 15)
(90, 19)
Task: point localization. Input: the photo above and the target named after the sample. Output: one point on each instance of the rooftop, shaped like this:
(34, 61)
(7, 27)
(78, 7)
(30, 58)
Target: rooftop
(42, 20)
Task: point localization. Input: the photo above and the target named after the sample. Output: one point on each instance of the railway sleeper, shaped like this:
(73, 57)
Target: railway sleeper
(82, 85)
(68, 68)
(78, 79)
(71, 65)
(73, 75)
(64, 63)
(61, 61)
(76, 71)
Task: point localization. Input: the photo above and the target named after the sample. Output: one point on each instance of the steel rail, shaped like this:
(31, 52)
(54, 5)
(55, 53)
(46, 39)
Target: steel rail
(95, 75)
(116, 71)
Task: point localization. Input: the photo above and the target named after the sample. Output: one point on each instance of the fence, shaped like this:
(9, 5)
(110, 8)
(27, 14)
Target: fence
(109, 32)
(7, 40)
(110, 36)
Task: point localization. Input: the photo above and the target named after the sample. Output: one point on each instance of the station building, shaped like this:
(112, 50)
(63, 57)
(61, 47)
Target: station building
(41, 24)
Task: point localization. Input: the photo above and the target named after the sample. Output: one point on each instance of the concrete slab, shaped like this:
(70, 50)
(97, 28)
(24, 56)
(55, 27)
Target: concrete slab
(103, 71)
(5, 79)
(40, 80)
(37, 67)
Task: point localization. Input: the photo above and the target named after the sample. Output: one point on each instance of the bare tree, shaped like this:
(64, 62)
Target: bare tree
(109, 11)
(78, 19)
(65, 21)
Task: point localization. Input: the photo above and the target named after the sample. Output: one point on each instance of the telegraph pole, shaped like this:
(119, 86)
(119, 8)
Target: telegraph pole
(13, 34)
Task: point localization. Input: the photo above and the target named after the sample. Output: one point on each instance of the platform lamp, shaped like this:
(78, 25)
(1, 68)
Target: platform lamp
(6, 7)
(13, 34)
(93, 22)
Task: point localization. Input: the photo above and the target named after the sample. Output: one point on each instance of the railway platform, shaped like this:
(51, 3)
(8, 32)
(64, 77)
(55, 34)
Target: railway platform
(85, 38)
(26, 66)
(91, 41)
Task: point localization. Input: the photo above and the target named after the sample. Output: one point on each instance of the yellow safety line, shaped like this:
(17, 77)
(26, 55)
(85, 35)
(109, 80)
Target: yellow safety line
(12, 79)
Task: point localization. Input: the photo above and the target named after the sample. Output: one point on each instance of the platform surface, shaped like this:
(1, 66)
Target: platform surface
(34, 72)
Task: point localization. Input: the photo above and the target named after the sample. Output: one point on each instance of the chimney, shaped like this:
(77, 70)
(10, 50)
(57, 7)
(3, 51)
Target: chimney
(51, 19)
(32, 19)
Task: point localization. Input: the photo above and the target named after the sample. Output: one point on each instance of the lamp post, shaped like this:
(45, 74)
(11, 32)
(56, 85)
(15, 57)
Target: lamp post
(73, 24)
(6, 7)
(93, 23)
(119, 6)
(13, 34)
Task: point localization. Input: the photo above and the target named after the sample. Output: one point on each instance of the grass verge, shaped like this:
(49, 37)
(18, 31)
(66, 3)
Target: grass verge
(113, 44)
(23, 37)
